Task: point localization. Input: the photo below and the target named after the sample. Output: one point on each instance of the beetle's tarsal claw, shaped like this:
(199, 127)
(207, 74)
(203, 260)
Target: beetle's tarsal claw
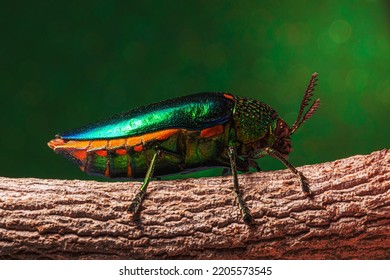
(305, 185)
(137, 201)
(133, 208)
(247, 217)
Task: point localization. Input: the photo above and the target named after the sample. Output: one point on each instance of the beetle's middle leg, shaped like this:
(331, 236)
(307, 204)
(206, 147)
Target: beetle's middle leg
(137, 201)
(246, 215)
(252, 163)
(242, 165)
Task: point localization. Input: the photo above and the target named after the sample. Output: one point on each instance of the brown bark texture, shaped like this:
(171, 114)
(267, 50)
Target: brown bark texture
(347, 218)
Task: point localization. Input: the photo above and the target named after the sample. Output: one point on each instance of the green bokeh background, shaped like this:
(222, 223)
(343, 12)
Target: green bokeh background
(66, 64)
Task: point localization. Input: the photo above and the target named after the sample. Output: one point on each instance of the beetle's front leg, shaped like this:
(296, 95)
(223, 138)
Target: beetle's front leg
(247, 217)
(137, 201)
(302, 178)
(252, 163)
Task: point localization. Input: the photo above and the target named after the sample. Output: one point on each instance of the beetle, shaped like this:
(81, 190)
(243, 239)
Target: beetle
(180, 135)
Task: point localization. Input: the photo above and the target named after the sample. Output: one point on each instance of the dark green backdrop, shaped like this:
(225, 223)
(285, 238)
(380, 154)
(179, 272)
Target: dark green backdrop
(64, 65)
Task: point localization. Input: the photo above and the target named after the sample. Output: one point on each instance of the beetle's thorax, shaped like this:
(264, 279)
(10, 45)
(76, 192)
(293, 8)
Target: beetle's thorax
(252, 119)
(258, 126)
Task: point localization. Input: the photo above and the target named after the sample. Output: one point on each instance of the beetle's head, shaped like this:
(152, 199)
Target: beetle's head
(282, 132)
(282, 140)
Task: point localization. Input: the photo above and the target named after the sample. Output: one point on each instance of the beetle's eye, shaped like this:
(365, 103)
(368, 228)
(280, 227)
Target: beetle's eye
(282, 130)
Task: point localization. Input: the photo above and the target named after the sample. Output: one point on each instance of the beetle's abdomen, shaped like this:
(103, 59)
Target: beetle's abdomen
(182, 150)
(114, 158)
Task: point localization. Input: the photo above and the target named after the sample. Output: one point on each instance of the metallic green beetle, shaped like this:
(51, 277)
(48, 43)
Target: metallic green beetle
(185, 134)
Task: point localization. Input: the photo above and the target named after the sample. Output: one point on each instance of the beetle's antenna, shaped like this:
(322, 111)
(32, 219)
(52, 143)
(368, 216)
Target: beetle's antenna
(305, 101)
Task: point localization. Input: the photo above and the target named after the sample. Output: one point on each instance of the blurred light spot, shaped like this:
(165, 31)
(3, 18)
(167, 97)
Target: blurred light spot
(337, 82)
(134, 52)
(300, 74)
(325, 44)
(263, 14)
(214, 56)
(382, 92)
(340, 31)
(298, 34)
(293, 34)
(357, 80)
(93, 43)
(264, 69)
(31, 94)
(105, 10)
(115, 96)
(383, 42)
(190, 46)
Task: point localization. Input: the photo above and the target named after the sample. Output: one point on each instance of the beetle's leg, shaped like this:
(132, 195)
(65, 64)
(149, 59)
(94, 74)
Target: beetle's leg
(252, 163)
(247, 217)
(302, 178)
(226, 172)
(137, 201)
(242, 165)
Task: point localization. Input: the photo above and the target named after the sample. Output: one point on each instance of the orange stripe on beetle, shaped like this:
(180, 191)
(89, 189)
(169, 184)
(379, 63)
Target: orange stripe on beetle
(138, 148)
(55, 143)
(97, 145)
(160, 135)
(79, 154)
(133, 141)
(100, 147)
(101, 153)
(68, 145)
(229, 96)
(211, 131)
(116, 143)
(121, 152)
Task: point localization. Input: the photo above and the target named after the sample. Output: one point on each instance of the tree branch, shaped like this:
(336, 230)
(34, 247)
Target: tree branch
(348, 217)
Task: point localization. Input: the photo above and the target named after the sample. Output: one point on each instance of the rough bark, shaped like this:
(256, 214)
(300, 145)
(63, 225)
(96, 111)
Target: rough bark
(348, 217)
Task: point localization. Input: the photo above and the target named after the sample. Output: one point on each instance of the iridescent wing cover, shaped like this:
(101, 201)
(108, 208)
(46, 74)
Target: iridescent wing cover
(192, 112)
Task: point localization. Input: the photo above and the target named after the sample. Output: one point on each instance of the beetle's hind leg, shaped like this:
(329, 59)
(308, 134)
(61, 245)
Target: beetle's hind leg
(137, 201)
(226, 172)
(246, 215)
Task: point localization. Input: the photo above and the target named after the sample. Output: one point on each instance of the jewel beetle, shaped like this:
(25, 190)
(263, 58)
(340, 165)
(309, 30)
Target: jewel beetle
(180, 135)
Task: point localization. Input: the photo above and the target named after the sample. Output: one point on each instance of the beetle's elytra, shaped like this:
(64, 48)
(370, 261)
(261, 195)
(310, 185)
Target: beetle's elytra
(184, 134)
